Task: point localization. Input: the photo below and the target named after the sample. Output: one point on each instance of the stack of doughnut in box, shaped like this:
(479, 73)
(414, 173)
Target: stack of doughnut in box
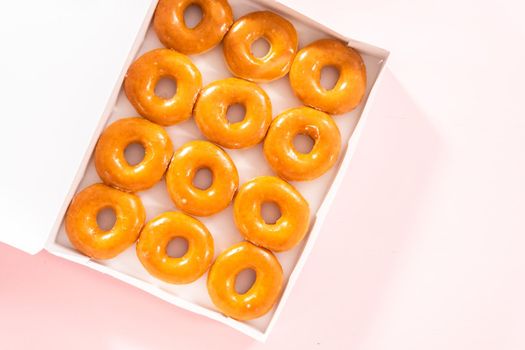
(208, 106)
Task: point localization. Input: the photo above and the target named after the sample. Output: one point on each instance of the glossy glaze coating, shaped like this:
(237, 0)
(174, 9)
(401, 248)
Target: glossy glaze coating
(144, 74)
(186, 161)
(172, 31)
(212, 105)
(111, 164)
(83, 230)
(279, 33)
(154, 240)
(305, 76)
(263, 294)
(286, 160)
(288, 230)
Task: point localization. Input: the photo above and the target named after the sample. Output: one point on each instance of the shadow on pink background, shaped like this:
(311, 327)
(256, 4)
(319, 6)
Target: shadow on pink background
(47, 302)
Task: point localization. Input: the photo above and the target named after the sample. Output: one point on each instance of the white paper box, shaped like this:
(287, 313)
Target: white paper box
(250, 163)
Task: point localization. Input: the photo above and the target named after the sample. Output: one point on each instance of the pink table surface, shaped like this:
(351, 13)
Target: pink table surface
(424, 246)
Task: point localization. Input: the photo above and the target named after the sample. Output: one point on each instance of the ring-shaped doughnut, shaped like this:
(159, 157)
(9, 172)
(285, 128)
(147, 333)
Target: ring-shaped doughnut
(83, 230)
(264, 292)
(172, 31)
(286, 160)
(111, 164)
(144, 74)
(212, 106)
(305, 76)
(187, 160)
(288, 230)
(158, 233)
(279, 33)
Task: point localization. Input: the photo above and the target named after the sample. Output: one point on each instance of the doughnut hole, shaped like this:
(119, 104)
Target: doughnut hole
(329, 77)
(236, 113)
(177, 247)
(245, 280)
(134, 153)
(270, 212)
(192, 16)
(106, 218)
(260, 47)
(203, 178)
(303, 143)
(166, 88)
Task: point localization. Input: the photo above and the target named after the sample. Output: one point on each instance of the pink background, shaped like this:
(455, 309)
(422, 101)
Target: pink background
(424, 246)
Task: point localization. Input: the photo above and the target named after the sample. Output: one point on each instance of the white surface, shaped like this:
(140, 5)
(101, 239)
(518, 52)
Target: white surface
(57, 69)
(249, 162)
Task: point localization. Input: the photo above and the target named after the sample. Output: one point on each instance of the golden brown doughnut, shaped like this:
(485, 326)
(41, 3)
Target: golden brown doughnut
(82, 227)
(154, 239)
(291, 164)
(186, 161)
(212, 105)
(305, 76)
(289, 229)
(172, 31)
(144, 74)
(263, 294)
(280, 34)
(111, 164)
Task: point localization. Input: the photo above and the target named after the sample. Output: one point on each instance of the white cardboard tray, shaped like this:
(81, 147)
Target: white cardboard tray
(250, 163)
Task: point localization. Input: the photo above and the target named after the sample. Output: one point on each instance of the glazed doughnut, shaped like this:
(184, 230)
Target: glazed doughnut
(305, 76)
(172, 31)
(286, 160)
(112, 166)
(187, 160)
(263, 294)
(154, 240)
(82, 227)
(279, 33)
(213, 103)
(289, 229)
(144, 74)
